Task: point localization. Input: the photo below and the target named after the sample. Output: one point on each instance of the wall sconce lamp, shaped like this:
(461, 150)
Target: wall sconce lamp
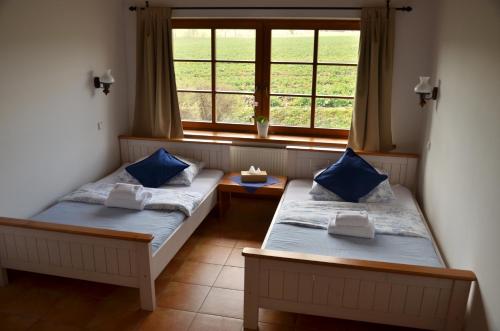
(104, 81)
(425, 90)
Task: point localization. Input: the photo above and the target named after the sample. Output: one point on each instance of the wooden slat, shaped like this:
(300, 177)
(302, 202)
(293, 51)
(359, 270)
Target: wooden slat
(291, 286)
(43, 251)
(413, 302)
(320, 290)
(351, 293)
(10, 244)
(65, 251)
(22, 249)
(88, 257)
(382, 297)
(111, 260)
(366, 294)
(32, 249)
(264, 282)
(336, 291)
(397, 298)
(444, 299)
(3, 248)
(54, 255)
(361, 264)
(123, 261)
(305, 288)
(71, 229)
(100, 259)
(429, 302)
(276, 284)
(76, 255)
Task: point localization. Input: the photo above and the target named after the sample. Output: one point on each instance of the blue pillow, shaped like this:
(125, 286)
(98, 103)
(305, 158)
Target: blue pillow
(350, 177)
(156, 169)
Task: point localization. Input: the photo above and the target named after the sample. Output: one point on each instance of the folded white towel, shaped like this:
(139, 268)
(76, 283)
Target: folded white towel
(127, 191)
(352, 218)
(137, 203)
(366, 231)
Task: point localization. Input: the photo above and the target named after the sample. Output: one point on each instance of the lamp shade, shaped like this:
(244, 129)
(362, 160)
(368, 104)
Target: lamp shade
(424, 86)
(107, 78)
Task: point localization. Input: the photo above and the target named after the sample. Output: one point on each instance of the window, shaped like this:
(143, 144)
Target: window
(300, 74)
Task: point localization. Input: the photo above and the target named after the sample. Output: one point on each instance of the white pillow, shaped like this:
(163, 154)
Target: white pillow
(382, 193)
(184, 178)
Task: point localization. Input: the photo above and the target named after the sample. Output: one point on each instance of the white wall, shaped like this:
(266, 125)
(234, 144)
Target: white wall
(460, 184)
(414, 40)
(49, 142)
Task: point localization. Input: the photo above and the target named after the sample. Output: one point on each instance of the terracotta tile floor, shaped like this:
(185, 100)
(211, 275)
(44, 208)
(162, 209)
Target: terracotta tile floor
(200, 289)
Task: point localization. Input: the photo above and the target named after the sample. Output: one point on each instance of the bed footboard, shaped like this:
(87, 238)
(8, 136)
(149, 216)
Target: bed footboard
(404, 295)
(105, 256)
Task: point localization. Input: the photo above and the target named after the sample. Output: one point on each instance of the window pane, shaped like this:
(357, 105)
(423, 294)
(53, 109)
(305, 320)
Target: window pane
(338, 46)
(195, 106)
(235, 77)
(291, 78)
(193, 76)
(235, 44)
(191, 44)
(336, 80)
(333, 113)
(292, 45)
(234, 108)
(290, 111)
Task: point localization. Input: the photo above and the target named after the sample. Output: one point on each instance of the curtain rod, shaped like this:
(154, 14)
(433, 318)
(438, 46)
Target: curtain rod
(404, 9)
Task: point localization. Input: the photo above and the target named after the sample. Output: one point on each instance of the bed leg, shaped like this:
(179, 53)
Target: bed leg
(146, 282)
(251, 301)
(458, 305)
(148, 298)
(4, 280)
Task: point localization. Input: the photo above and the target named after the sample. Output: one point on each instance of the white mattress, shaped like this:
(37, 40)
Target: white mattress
(387, 248)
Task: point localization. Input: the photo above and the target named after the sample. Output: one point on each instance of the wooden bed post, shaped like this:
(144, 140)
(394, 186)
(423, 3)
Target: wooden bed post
(251, 305)
(4, 280)
(458, 305)
(146, 281)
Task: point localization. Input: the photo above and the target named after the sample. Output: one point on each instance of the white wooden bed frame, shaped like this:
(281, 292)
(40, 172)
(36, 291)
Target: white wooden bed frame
(388, 293)
(107, 256)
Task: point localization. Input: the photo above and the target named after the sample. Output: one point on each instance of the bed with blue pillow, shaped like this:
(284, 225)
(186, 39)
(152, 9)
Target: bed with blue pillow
(351, 183)
(160, 171)
(161, 224)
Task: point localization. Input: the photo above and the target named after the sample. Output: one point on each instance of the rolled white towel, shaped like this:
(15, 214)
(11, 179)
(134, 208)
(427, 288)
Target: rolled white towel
(130, 203)
(366, 231)
(352, 218)
(126, 191)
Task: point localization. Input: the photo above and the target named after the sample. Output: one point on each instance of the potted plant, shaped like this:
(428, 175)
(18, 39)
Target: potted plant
(262, 125)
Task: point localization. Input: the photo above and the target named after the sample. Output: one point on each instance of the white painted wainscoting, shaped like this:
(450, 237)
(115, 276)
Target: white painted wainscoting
(273, 160)
(292, 162)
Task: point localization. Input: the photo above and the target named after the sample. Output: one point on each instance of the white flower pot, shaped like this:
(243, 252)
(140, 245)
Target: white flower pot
(262, 129)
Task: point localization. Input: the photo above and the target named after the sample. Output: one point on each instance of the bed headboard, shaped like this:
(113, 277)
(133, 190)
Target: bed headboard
(215, 155)
(294, 162)
(401, 168)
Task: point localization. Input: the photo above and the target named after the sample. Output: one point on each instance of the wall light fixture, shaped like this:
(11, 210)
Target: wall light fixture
(104, 81)
(426, 91)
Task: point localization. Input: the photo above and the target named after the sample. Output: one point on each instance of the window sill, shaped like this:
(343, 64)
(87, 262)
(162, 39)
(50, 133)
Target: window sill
(272, 139)
(275, 140)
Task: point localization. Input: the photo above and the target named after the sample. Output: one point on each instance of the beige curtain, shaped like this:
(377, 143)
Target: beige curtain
(156, 106)
(371, 119)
